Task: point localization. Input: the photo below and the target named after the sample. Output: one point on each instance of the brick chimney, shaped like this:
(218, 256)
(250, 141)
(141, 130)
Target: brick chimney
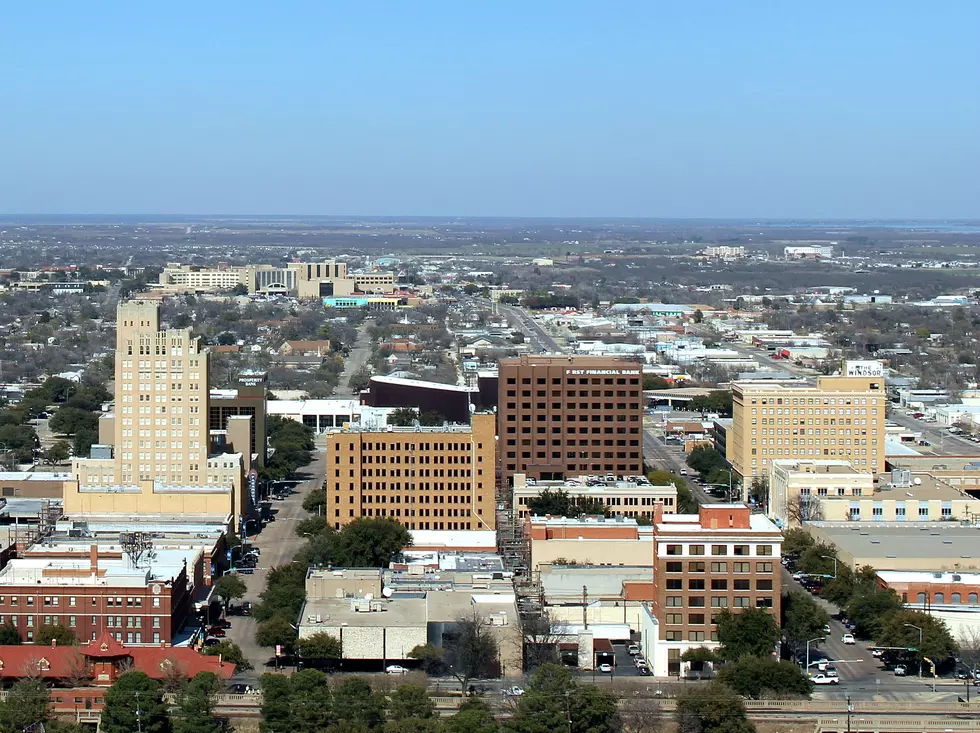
(93, 557)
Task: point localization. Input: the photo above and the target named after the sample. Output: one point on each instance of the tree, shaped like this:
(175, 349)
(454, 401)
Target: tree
(84, 439)
(58, 389)
(804, 508)
(57, 633)
(229, 651)
(240, 289)
(559, 504)
(226, 338)
(819, 559)
(655, 382)
(134, 702)
(803, 620)
(9, 635)
(359, 380)
(195, 713)
(320, 645)
(410, 701)
(27, 704)
(430, 657)
(277, 703)
(698, 316)
(403, 417)
(752, 632)
(719, 401)
(664, 478)
(229, 588)
(370, 543)
(311, 702)
(356, 703)
(69, 420)
(796, 542)
(711, 708)
(758, 677)
(277, 631)
(473, 716)
(704, 459)
(471, 649)
(555, 701)
(868, 609)
(898, 629)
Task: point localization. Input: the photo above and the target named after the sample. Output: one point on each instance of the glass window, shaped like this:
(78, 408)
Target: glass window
(743, 584)
(719, 549)
(673, 549)
(697, 549)
(719, 602)
(675, 567)
(719, 567)
(763, 550)
(719, 584)
(763, 567)
(695, 602)
(675, 619)
(695, 584)
(695, 618)
(695, 567)
(741, 550)
(940, 598)
(674, 601)
(675, 584)
(741, 567)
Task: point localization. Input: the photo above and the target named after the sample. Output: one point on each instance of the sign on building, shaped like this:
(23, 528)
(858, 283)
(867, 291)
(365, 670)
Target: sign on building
(863, 369)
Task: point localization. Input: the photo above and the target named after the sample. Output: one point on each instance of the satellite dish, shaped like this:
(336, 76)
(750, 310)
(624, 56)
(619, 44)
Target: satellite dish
(917, 481)
(472, 407)
(386, 592)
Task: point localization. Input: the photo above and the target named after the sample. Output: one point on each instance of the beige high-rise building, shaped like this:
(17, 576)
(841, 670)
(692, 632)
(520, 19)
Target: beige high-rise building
(840, 417)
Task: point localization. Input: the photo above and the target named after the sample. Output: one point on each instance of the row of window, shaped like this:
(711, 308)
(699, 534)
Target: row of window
(737, 550)
(718, 567)
(718, 584)
(118, 622)
(572, 380)
(718, 602)
(110, 601)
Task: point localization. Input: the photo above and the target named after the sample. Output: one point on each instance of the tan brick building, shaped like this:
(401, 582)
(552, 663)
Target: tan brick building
(427, 478)
(560, 416)
(838, 417)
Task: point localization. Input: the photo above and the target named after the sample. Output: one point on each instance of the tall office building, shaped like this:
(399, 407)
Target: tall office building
(162, 394)
(561, 416)
(427, 478)
(839, 417)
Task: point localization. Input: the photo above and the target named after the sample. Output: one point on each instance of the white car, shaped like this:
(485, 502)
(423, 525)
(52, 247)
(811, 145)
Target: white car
(395, 669)
(515, 691)
(634, 649)
(606, 668)
(821, 678)
(848, 639)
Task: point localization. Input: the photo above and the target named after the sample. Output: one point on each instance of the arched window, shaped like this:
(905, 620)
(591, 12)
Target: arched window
(921, 598)
(972, 598)
(940, 598)
(956, 598)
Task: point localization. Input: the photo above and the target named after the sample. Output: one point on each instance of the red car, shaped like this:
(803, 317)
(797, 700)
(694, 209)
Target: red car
(217, 631)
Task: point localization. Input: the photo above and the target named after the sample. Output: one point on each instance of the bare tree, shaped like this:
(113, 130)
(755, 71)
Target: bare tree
(804, 508)
(471, 649)
(540, 638)
(640, 715)
(968, 640)
(78, 672)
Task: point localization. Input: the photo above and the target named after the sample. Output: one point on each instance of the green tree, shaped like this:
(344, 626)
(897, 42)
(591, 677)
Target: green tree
(555, 701)
(9, 635)
(704, 459)
(229, 651)
(359, 380)
(664, 478)
(311, 702)
(240, 289)
(370, 543)
(84, 439)
(819, 560)
(195, 712)
(868, 610)
(320, 645)
(719, 401)
(57, 633)
(430, 657)
(655, 382)
(229, 588)
(753, 632)
(276, 631)
(132, 692)
(898, 629)
(796, 542)
(58, 389)
(356, 703)
(698, 316)
(410, 701)
(803, 619)
(758, 677)
(69, 420)
(27, 704)
(58, 453)
(711, 708)
(284, 593)
(277, 703)
(403, 417)
(473, 716)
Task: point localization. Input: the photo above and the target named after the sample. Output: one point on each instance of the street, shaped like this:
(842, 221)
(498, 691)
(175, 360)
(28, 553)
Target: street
(359, 354)
(671, 458)
(540, 340)
(278, 543)
(941, 441)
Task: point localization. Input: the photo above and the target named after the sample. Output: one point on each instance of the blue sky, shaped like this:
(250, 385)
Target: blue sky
(691, 108)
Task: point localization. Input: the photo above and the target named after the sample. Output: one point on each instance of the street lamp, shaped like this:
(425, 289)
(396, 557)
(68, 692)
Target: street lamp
(919, 650)
(834, 558)
(810, 641)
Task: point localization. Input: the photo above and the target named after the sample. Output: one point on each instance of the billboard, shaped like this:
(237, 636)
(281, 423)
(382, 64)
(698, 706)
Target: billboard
(863, 369)
(253, 486)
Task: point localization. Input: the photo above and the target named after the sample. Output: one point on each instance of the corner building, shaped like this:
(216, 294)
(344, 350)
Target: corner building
(426, 478)
(561, 416)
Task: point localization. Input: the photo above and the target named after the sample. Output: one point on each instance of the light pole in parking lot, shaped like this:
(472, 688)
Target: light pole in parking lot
(834, 558)
(810, 641)
(919, 650)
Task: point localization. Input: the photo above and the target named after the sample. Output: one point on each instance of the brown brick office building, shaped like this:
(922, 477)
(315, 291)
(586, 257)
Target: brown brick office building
(561, 416)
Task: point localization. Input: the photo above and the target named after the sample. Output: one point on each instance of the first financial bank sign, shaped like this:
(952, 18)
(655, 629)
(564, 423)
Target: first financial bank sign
(597, 372)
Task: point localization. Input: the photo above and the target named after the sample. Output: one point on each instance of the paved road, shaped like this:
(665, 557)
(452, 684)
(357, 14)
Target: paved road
(539, 338)
(670, 458)
(942, 442)
(278, 543)
(358, 357)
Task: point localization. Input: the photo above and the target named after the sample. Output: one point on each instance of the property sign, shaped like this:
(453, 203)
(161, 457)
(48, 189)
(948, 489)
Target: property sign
(863, 369)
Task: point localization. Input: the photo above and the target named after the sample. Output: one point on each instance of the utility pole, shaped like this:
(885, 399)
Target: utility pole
(585, 606)
(850, 709)
(139, 723)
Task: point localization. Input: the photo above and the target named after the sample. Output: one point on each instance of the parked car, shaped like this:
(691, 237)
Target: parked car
(848, 639)
(217, 631)
(514, 691)
(831, 671)
(395, 669)
(822, 678)
(606, 668)
(826, 629)
(212, 642)
(901, 670)
(634, 649)
(877, 653)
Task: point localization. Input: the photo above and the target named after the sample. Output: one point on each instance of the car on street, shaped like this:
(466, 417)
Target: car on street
(848, 639)
(901, 670)
(514, 691)
(643, 671)
(822, 678)
(395, 669)
(831, 671)
(634, 649)
(826, 628)
(212, 642)
(222, 623)
(217, 631)
(606, 668)
(877, 653)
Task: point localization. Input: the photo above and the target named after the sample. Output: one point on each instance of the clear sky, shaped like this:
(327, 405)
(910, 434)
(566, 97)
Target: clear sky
(689, 108)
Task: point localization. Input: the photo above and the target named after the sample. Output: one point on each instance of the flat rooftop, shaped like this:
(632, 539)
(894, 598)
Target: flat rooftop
(925, 576)
(824, 467)
(920, 462)
(927, 488)
(943, 542)
(691, 523)
(402, 382)
(35, 476)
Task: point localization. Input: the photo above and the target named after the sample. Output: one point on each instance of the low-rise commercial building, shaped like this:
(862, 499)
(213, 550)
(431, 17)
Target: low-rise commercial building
(802, 490)
(903, 546)
(617, 541)
(631, 498)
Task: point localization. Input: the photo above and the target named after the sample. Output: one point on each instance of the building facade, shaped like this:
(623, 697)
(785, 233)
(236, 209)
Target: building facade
(426, 478)
(620, 498)
(800, 491)
(837, 418)
(723, 558)
(560, 416)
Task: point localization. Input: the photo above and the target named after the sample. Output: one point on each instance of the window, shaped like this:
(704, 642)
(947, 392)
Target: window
(695, 618)
(741, 550)
(763, 585)
(940, 598)
(673, 549)
(741, 567)
(763, 602)
(675, 619)
(675, 567)
(673, 636)
(741, 602)
(675, 601)
(695, 584)
(972, 598)
(675, 584)
(697, 549)
(695, 567)
(695, 635)
(763, 567)
(719, 584)
(695, 602)
(743, 584)
(956, 598)
(719, 567)
(719, 602)
(765, 550)
(719, 549)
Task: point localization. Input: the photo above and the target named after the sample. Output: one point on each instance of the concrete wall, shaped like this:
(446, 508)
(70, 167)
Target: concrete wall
(590, 552)
(374, 642)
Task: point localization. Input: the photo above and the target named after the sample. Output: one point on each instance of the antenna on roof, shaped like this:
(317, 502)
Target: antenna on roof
(138, 547)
